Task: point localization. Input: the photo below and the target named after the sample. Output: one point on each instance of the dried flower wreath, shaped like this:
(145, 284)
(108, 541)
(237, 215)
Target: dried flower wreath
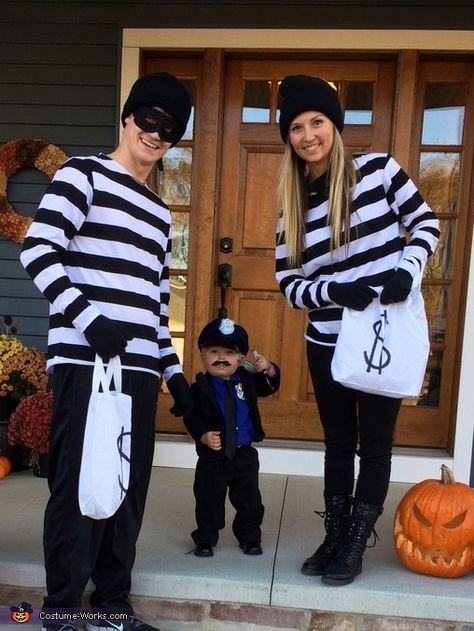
(15, 155)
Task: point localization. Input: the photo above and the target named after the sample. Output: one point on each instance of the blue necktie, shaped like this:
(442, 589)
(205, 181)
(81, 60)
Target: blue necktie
(229, 415)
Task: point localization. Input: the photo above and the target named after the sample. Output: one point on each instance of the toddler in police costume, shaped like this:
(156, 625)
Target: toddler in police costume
(224, 422)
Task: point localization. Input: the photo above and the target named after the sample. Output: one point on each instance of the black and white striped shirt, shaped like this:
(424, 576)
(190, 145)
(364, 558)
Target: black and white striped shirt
(387, 208)
(100, 243)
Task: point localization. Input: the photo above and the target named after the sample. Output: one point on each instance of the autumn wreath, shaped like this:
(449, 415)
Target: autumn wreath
(15, 155)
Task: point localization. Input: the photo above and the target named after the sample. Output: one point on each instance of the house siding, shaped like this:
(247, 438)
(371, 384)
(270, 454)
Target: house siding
(59, 81)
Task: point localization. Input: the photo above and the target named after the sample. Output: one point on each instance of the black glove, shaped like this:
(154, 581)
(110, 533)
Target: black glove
(397, 288)
(106, 338)
(353, 295)
(181, 393)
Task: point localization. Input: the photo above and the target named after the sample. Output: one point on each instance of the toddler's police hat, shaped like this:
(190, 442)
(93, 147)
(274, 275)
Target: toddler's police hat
(224, 332)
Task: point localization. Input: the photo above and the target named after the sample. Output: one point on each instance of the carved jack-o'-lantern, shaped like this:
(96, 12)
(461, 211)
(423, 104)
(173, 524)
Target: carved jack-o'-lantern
(434, 527)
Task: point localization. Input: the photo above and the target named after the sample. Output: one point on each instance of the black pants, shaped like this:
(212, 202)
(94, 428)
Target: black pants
(354, 423)
(214, 475)
(77, 548)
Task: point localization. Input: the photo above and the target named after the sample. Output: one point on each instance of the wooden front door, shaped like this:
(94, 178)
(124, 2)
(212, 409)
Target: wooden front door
(247, 215)
(228, 208)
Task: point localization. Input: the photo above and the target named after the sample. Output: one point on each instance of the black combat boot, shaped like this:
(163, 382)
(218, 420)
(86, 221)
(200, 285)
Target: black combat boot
(336, 519)
(347, 563)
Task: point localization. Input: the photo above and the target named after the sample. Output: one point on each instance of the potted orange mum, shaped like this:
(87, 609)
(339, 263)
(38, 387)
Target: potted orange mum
(22, 373)
(30, 426)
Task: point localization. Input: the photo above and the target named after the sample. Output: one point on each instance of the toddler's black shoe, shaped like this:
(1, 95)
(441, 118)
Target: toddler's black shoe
(203, 550)
(251, 547)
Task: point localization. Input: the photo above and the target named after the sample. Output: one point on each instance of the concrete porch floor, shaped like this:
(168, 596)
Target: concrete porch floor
(291, 531)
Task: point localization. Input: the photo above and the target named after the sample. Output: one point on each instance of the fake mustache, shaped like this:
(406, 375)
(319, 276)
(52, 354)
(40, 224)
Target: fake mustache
(221, 362)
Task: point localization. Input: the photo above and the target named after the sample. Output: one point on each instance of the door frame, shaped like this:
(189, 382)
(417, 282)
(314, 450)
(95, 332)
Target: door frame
(307, 459)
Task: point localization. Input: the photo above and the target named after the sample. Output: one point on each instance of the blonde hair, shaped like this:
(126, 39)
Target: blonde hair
(292, 198)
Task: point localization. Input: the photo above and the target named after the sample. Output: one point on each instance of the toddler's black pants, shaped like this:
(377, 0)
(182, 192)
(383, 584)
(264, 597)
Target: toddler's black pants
(215, 475)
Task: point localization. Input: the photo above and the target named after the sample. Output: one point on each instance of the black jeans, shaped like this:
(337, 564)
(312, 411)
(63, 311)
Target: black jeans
(214, 476)
(77, 548)
(354, 423)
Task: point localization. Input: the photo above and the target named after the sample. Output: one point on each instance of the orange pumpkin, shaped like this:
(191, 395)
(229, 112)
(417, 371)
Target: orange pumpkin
(5, 466)
(434, 527)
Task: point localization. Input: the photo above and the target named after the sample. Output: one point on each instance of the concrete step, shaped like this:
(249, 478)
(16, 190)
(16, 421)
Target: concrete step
(231, 588)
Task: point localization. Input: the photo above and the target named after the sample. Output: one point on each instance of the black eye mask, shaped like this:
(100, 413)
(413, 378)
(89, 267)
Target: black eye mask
(152, 120)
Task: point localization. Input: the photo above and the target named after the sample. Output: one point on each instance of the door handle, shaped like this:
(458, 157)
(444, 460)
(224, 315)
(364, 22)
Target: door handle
(224, 280)
(224, 275)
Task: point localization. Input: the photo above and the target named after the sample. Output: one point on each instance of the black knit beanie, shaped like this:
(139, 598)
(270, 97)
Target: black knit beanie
(300, 93)
(162, 89)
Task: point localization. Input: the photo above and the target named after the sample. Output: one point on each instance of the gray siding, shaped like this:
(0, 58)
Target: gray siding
(58, 82)
(21, 299)
(437, 14)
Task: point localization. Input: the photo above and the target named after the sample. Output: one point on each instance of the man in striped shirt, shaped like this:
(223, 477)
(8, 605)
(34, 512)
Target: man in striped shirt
(99, 250)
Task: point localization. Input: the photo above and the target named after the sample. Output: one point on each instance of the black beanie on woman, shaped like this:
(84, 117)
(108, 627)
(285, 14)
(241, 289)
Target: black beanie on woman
(164, 90)
(300, 93)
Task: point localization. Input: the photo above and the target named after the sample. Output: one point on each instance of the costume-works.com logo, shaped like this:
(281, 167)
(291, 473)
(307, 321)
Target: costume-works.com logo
(21, 613)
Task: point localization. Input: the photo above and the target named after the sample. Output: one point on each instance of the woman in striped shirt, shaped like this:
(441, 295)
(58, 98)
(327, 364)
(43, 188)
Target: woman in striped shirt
(347, 224)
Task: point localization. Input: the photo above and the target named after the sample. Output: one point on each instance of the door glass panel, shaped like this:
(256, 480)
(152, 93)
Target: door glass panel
(432, 382)
(179, 248)
(173, 185)
(436, 299)
(256, 106)
(178, 343)
(188, 134)
(439, 180)
(443, 114)
(359, 103)
(190, 85)
(177, 306)
(440, 264)
(175, 180)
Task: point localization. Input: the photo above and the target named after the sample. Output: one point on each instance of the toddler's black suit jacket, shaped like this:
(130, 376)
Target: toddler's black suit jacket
(206, 416)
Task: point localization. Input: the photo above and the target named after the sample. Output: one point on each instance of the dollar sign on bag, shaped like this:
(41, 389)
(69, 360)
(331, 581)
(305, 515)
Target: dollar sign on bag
(383, 356)
(123, 456)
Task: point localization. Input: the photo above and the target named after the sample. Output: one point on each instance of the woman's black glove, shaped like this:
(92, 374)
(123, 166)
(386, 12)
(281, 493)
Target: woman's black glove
(353, 295)
(397, 288)
(105, 337)
(181, 393)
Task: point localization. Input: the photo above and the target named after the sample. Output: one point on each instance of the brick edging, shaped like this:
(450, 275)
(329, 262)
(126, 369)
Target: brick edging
(240, 615)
